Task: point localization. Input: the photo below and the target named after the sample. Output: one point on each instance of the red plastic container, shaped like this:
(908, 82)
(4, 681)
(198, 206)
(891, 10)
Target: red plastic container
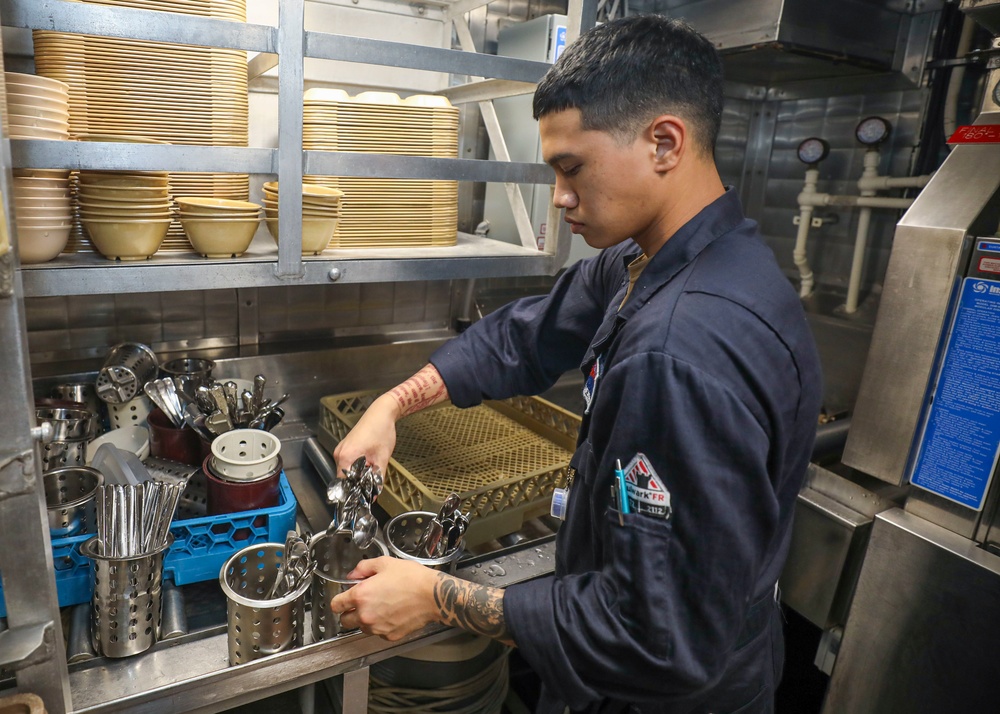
(234, 496)
(166, 441)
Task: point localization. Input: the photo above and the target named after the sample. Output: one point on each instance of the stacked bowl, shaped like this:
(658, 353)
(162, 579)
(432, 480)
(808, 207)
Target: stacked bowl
(320, 213)
(218, 227)
(125, 213)
(38, 108)
(183, 94)
(43, 213)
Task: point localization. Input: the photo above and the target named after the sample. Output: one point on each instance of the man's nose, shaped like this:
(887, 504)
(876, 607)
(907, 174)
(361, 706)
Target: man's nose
(564, 196)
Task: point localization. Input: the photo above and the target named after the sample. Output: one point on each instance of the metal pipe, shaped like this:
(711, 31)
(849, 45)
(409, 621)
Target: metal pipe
(805, 219)
(827, 199)
(861, 237)
(882, 183)
(321, 460)
(79, 647)
(173, 623)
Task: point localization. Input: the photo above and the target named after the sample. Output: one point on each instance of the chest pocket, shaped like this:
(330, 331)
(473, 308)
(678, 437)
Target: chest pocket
(637, 551)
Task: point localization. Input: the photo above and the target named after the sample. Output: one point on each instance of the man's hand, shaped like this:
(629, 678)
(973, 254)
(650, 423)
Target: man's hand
(374, 436)
(396, 597)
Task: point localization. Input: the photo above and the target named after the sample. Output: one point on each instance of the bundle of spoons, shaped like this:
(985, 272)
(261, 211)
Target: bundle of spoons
(352, 498)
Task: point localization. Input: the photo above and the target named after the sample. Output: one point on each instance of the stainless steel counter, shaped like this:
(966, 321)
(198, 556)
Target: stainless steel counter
(192, 673)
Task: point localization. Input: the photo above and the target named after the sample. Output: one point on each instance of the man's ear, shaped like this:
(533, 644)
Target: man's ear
(668, 135)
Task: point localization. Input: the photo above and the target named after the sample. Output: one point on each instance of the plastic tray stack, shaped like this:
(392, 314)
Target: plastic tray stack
(180, 94)
(504, 458)
(385, 213)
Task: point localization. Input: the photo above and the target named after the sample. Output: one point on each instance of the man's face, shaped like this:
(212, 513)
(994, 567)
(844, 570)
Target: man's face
(602, 184)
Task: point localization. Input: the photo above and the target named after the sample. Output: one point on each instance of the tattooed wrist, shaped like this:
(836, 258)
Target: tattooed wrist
(422, 390)
(474, 608)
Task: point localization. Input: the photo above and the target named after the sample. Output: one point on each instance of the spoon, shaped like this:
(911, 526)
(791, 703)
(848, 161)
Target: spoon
(365, 527)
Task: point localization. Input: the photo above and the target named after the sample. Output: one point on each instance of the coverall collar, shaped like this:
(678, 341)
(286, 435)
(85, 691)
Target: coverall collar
(716, 219)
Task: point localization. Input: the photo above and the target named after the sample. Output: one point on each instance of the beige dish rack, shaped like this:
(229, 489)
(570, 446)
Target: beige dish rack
(504, 458)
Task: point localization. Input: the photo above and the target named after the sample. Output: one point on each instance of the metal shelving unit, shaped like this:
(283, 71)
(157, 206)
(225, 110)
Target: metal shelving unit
(197, 677)
(288, 45)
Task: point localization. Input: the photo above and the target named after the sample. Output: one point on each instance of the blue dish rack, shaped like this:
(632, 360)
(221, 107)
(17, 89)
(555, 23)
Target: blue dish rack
(201, 545)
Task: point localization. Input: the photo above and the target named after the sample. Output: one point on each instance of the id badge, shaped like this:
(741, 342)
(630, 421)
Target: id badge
(560, 497)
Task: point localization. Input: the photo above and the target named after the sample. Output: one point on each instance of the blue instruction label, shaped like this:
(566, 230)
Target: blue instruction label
(989, 246)
(959, 448)
(560, 42)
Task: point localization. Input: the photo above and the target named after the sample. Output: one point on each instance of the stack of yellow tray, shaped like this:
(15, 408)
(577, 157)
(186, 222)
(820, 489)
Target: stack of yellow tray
(382, 213)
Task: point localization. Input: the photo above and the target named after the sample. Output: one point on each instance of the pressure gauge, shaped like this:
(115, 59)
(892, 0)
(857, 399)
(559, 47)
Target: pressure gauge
(813, 150)
(873, 131)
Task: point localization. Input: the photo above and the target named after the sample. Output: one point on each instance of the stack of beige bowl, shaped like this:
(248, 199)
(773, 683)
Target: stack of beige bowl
(387, 212)
(38, 108)
(125, 213)
(320, 213)
(219, 227)
(181, 94)
(43, 213)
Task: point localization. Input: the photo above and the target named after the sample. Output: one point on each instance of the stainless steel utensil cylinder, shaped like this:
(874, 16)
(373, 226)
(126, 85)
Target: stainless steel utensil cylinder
(402, 534)
(189, 373)
(126, 370)
(125, 606)
(70, 499)
(260, 627)
(335, 555)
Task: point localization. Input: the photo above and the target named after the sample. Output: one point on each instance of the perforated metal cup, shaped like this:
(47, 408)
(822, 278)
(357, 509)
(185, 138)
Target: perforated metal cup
(69, 499)
(189, 373)
(403, 533)
(335, 555)
(126, 370)
(258, 626)
(67, 424)
(126, 600)
(58, 454)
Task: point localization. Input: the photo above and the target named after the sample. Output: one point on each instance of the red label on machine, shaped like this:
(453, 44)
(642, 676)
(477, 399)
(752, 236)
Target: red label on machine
(980, 134)
(989, 265)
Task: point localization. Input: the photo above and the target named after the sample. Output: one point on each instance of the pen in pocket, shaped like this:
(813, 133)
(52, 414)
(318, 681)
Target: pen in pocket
(622, 491)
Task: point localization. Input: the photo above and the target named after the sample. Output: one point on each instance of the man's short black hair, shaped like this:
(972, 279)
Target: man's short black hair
(624, 73)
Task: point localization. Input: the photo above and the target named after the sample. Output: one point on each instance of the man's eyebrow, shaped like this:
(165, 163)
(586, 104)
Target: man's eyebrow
(553, 160)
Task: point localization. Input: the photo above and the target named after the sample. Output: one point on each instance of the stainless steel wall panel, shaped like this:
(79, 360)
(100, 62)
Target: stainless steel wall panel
(309, 312)
(731, 147)
(377, 300)
(922, 635)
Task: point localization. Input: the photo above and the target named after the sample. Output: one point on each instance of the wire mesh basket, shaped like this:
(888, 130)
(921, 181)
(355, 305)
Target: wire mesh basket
(503, 458)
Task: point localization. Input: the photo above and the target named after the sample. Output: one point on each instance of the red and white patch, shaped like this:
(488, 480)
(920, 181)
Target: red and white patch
(646, 492)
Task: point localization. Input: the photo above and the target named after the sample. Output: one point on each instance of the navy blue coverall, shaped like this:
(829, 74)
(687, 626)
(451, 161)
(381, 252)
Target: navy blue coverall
(709, 370)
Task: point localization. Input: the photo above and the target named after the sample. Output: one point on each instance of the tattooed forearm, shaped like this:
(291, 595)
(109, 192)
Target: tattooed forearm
(473, 608)
(424, 389)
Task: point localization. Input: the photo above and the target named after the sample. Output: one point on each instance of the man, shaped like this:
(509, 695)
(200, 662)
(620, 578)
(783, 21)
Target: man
(702, 381)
